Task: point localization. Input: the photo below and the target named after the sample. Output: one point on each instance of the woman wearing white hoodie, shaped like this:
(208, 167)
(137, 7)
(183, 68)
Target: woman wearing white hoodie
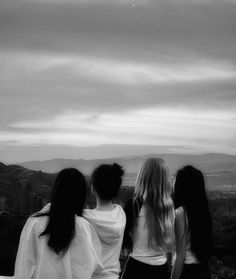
(57, 242)
(107, 218)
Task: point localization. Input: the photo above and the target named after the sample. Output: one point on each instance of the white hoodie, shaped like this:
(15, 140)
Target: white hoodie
(36, 261)
(109, 226)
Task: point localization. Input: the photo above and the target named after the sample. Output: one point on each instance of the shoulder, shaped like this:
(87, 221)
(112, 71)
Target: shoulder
(36, 224)
(180, 220)
(84, 225)
(82, 222)
(120, 214)
(180, 217)
(119, 208)
(88, 213)
(179, 212)
(30, 229)
(29, 224)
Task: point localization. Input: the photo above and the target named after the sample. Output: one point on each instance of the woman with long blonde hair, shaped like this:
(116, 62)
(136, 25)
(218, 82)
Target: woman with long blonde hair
(150, 221)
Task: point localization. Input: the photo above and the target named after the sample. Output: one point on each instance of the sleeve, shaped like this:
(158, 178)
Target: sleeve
(85, 251)
(26, 255)
(97, 250)
(95, 242)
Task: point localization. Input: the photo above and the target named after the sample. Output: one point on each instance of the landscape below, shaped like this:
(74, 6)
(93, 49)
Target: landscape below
(24, 191)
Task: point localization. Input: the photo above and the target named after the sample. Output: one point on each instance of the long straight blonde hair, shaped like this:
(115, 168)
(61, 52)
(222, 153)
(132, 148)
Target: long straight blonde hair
(153, 184)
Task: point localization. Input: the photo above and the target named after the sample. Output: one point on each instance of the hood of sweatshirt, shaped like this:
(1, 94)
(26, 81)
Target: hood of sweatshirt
(109, 225)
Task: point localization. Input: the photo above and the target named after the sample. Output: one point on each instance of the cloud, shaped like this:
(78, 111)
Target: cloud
(209, 130)
(162, 29)
(106, 64)
(42, 85)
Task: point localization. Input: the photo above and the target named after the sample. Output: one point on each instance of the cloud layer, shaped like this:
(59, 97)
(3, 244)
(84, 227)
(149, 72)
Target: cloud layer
(131, 72)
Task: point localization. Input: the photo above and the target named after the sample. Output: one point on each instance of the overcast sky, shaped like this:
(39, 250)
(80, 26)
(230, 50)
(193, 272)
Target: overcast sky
(89, 72)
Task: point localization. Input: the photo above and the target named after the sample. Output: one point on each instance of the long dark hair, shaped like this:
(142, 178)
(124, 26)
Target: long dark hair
(190, 193)
(67, 200)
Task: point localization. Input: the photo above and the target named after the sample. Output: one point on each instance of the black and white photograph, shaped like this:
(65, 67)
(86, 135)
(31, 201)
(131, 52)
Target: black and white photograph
(117, 139)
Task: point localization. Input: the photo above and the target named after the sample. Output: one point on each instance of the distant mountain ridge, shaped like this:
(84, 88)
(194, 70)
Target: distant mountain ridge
(209, 162)
(25, 189)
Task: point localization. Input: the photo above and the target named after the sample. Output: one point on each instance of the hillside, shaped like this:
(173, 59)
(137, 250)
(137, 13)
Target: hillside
(14, 172)
(210, 162)
(22, 174)
(23, 190)
(26, 187)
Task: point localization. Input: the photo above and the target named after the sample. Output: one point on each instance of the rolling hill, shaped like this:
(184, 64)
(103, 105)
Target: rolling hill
(208, 163)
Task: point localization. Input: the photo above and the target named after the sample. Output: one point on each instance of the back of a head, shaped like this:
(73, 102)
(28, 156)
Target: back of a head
(189, 187)
(152, 178)
(69, 192)
(190, 193)
(106, 181)
(153, 185)
(67, 200)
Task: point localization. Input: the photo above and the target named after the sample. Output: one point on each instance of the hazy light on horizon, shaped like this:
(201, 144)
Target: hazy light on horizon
(152, 127)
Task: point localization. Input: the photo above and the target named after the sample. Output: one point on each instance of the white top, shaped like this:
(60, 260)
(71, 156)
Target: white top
(141, 252)
(189, 257)
(109, 226)
(35, 260)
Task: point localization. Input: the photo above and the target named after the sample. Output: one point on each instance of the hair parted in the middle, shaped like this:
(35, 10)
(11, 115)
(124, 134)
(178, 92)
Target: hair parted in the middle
(67, 201)
(153, 185)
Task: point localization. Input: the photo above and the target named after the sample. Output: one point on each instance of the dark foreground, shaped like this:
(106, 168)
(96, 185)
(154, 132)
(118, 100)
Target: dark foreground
(223, 262)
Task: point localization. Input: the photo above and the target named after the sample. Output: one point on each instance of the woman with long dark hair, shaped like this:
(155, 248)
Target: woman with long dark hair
(193, 226)
(150, 222)
(58, 242)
